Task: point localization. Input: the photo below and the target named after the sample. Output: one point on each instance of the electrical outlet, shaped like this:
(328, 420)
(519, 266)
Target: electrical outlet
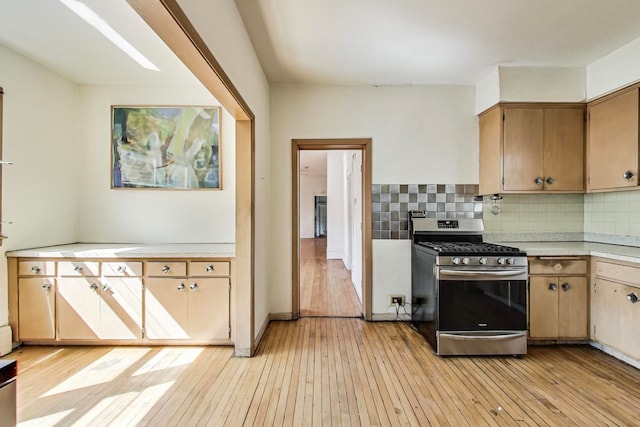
(396, 299)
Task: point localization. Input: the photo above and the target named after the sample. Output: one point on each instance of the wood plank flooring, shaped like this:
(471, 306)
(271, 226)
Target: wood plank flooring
(325, 285)
(324, 372)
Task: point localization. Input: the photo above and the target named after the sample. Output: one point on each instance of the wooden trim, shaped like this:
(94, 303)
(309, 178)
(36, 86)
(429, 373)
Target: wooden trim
(167, 19)
(171, 24)
(365, 145)
(12, 282)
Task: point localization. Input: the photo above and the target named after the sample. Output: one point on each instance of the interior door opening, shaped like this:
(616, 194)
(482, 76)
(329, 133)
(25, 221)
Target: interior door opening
(329, 212)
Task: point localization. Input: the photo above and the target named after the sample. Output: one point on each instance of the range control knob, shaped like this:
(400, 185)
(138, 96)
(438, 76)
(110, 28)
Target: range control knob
(510, 261)
(466, 260)
(501, 261)
(455, 260)
(482, 261)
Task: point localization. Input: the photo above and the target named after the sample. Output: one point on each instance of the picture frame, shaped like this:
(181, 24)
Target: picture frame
(166, 147)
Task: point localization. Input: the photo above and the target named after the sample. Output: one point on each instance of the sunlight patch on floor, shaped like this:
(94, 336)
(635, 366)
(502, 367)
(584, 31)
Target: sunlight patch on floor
(103, 370)
(169, 358)
(47, 420)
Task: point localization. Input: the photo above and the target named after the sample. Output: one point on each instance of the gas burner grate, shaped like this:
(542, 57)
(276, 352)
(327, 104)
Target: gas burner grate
(469, 248)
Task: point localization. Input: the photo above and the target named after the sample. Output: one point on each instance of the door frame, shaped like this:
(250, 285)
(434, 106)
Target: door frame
(364, 145)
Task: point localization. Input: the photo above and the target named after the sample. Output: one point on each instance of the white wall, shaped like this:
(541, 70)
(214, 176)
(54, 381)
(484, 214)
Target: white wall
(40, 135)
(542, 84)
(614, 71)
(149, 216)
(310, 186)
(220, 26)
(335, 205)
(425, 134)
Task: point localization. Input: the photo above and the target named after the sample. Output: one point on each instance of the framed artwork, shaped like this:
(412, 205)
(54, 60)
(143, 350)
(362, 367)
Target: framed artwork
(165, 147)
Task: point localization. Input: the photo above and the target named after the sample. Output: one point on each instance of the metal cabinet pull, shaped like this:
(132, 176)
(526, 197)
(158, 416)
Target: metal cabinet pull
(5, 162)
(122, 269)
(633, 298)
(627, 175)
(552, 286)
(166, 269)
(538, 180)
(210, 268)
(107, 288)
(93, 287)
(193, 286)
(78, 268)
(46, 286)
(181, 287)
(550, 180)
(566, 286)
(35, 269)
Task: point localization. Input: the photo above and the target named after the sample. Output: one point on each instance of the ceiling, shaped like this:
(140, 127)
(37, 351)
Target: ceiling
(313, 162)
(49, 33)
(343, 42)
(414, 42)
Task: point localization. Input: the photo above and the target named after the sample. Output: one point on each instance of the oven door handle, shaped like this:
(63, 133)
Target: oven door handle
(479, 274)
(494, 337)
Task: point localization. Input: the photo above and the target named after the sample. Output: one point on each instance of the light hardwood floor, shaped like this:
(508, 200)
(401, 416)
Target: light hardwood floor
(325, 285)
(324, 372)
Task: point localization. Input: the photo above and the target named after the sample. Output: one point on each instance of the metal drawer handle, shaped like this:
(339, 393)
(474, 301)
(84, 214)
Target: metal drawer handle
(35, 269)
(122, 269)
(633, 298)
(538, 180)
(210, 268)
(566, 286)
(181, 287)
(5, 162)
(107, 288)
(46, 286)
(166, 269)
(193, 286)
(627, 175)
(78, 268)
(93, 287)
(550, 180)
(552, 286)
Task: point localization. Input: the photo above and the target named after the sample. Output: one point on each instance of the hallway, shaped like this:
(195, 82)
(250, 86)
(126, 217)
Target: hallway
(325, 285)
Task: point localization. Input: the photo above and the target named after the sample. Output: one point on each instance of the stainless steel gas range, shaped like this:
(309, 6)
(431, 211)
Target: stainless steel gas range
(468, 297)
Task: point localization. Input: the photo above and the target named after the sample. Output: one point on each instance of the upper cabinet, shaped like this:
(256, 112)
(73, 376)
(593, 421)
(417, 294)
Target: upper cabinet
(527, 148)
(613, 142)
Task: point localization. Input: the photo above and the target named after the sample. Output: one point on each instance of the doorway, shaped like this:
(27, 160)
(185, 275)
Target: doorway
(332, 274)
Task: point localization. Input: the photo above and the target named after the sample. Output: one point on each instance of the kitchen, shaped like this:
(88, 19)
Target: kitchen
(443, 125)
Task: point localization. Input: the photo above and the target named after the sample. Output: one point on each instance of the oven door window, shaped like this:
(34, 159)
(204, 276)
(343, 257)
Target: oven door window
(495, 305)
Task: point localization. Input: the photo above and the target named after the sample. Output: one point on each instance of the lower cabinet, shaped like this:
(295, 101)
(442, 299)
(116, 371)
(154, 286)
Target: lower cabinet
(36, 308)
(92, 308)
(90, 300)
(187, 308)
(615, 307)
(558, 299)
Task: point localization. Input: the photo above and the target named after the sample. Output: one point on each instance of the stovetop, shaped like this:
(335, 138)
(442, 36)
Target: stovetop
(471, 248)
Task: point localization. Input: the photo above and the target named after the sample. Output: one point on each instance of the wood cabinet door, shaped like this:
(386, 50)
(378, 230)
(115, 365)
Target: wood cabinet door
(523, 149)
(166, 308)
(491, 152)
(613, 142)
(543, 307)
(209, 308)
(78, 308)
(573, 307)
(564, 149)
(36, 308)
(121, 308)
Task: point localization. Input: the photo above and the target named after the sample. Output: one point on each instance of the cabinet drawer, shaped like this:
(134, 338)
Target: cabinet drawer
(36, 268)
(209, 268)
(558, 266)
(122, 269)
(619, 273)
(78, 268)
(166, 268)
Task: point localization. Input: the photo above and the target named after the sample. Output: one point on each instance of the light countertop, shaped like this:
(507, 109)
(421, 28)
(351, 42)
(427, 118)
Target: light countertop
(129, 250)
(550, 248)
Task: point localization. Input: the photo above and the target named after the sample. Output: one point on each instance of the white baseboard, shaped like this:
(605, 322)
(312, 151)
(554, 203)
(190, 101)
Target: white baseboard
(387, 317)
(615, 353)
(6, 340)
